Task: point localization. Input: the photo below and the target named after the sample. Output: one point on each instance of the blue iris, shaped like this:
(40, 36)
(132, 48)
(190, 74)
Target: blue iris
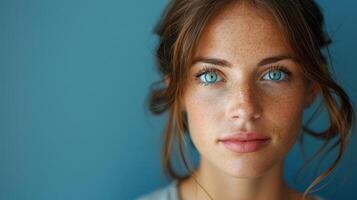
(275, 75)
(210, 77)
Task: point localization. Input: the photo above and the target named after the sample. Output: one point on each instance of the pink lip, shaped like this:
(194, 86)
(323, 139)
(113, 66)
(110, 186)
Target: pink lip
(245, 136)
(244, 142)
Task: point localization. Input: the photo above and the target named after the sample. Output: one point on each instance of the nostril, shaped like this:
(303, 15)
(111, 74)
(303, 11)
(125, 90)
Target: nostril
(246, 112)
(256, 116)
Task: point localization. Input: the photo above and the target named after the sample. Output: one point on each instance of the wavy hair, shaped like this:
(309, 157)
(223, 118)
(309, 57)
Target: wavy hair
(181, 26)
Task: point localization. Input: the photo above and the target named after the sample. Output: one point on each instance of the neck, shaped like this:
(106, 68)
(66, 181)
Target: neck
(219, 185)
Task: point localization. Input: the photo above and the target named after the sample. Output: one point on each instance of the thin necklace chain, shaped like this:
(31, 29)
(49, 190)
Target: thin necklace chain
(197, 183)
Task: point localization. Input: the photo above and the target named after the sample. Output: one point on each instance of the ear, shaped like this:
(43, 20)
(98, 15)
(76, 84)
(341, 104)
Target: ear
(312, 90)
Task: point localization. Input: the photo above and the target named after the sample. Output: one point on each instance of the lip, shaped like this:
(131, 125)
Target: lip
(245, 142)
(245, 136)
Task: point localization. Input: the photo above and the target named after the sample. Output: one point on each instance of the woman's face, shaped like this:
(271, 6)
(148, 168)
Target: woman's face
(232, 87)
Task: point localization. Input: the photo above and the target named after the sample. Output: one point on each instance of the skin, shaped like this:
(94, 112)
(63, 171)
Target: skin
(244, 99)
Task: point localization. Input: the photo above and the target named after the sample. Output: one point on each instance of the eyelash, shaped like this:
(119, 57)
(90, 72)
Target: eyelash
(207, 69)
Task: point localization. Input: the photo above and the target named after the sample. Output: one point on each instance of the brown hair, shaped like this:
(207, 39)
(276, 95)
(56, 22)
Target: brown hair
(179, 30)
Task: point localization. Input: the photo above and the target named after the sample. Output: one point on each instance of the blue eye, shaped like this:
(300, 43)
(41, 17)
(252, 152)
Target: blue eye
(208, 76)
(277, 73)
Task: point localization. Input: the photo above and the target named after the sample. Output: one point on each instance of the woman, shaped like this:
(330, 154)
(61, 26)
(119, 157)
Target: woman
(238, 76)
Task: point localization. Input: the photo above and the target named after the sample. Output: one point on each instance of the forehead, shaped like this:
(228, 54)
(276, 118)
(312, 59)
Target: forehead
(243, 32)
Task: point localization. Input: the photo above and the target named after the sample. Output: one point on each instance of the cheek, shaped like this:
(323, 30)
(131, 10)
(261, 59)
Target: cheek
(204, 106)
(204, 112)
(284, 114)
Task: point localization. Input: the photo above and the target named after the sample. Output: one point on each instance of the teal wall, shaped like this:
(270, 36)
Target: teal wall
(73, 79)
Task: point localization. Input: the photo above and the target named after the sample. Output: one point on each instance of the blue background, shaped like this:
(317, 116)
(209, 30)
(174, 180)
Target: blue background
(74, 76)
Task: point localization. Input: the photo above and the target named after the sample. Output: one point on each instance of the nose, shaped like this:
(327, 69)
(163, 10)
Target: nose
(244, 102)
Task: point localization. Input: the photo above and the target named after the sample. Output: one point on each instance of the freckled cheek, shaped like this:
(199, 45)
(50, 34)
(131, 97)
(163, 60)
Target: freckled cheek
(285, 107)
(204, 111)
(285, 115)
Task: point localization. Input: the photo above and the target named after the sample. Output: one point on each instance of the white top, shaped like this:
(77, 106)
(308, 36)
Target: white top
(170, 192)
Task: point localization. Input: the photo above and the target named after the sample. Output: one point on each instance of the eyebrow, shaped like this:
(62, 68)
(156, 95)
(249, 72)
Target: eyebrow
(224, 63)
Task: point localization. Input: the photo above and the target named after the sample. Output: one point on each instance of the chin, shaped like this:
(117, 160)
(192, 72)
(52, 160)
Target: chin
(247, 167)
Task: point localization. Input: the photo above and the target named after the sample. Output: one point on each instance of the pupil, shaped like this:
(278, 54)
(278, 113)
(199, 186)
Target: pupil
(275, 75)
(211, 77)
